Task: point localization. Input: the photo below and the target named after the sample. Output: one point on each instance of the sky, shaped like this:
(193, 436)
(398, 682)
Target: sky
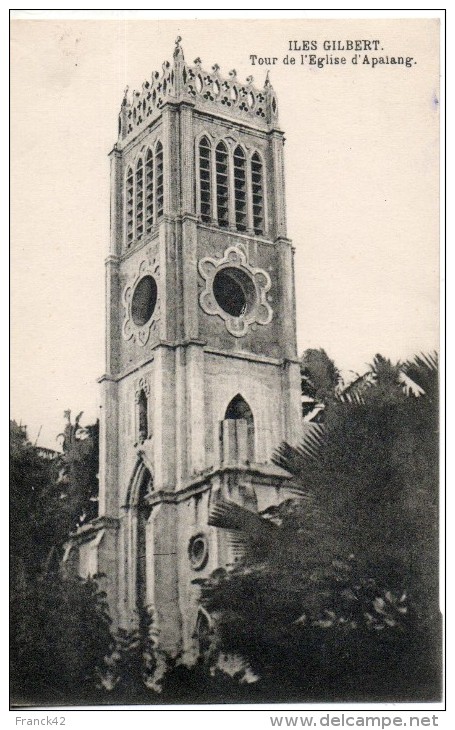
(362, 176)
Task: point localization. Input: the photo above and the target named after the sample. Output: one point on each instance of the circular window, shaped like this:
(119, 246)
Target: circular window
(198, 551)
(234, 291)
(144, 301)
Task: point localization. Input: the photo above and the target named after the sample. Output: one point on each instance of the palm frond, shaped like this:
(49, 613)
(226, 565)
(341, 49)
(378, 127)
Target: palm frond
(383, 365)
(249, 532)
(238, 542)
(231, 516)
(409, 385)
(429, 360)
(423, 369)
(294, 458)
(354, 397)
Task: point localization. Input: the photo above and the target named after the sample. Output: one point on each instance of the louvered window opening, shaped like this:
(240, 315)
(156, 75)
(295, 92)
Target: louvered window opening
(257, 191)
(129, 206)
(240, 189)
(144, 195)
(222, 185)
(205, 180)
(149, 192)
(159, 180)
(139, 199)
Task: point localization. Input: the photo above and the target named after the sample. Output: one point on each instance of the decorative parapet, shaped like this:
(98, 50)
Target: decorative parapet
(207, 91)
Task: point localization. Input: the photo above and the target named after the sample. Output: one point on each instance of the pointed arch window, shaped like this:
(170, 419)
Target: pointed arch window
(149, 192)
(159, 172)
(237, 432)
(222, 184)
(139, 199)
(142, 415)
(240, 200)
(129, 206)
(230, 187)
(257, 191)
(205, 183)
(144, 195)
(143, 511)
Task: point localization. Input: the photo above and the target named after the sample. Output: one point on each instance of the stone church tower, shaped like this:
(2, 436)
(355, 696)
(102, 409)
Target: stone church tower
(202, 380)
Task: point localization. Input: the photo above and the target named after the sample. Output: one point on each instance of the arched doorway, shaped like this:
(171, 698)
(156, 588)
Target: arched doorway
(203, 631)
(142, 515)
(138, 555)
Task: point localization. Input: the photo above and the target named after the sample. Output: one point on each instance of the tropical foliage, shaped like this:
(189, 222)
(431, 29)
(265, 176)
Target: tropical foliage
(79, 470)
(60, 636)
(60, 627)
(50, 497)
(35, 527)
(320, 376)
(321, 380)
(337, 589)
(335, 594)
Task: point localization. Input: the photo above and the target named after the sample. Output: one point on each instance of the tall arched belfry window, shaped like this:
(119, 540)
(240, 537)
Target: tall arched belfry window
(139, 199)
(222, 184)
(205, 154)
(237, 433)
(144, 195)
(240, 189)
(159, 172)
(148, 192)
(257, 190)
(129, 206)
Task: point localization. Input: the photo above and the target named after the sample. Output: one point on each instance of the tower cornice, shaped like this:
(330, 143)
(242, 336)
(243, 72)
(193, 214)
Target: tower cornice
(112, 260)
(269, 475)
(251, 357)
(115, 151)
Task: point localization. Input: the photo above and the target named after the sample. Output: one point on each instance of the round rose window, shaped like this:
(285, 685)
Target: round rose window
(144, 300)
(198, 551)
(234, 291)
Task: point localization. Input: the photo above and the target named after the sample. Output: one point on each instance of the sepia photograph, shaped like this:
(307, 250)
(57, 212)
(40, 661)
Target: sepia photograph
(225, 347)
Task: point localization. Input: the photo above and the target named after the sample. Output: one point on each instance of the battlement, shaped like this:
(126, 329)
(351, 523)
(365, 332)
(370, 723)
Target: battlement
(206, 91)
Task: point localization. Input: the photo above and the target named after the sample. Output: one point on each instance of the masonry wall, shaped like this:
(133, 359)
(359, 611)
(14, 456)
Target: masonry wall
(189, 393)
(186, 361)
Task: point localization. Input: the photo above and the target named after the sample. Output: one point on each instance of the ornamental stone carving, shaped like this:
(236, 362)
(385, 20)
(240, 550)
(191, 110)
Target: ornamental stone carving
(141, 301)
(235, 291)
(208, 91)
(143, 385)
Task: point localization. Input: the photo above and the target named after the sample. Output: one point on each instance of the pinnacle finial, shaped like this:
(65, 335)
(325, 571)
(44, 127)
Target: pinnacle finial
(233, 73)
(197, 61)
(215, 67)
(250, 79)
(125, 96)
(178, 51)
(267, 79)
